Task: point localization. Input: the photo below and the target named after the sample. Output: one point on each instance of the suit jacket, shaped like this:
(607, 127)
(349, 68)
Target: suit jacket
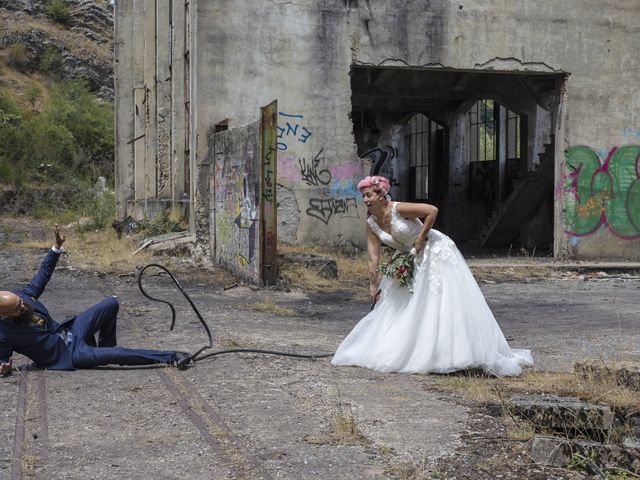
(42, 344)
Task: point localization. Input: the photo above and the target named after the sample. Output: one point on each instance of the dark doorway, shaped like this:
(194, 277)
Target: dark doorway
(470, 142)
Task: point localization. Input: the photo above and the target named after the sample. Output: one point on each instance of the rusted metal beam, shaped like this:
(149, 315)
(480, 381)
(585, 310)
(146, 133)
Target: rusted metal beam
(268, 210)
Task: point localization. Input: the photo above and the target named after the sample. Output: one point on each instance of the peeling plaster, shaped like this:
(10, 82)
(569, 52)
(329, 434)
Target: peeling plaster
(515, 64)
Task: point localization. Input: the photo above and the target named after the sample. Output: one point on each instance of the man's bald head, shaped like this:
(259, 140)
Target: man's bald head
(11, 305)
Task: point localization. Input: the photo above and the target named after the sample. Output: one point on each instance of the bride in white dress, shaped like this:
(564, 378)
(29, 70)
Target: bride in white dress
(445, 324)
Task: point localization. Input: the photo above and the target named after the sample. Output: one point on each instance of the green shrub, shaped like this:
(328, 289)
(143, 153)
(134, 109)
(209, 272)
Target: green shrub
(18, 57)
(33, 94)
(7, 172)
(163, 223)
(58, 11)
(49, 144)
(89, 121)
(62, 149)
(101, 209)
(12, 140)
(51, 61)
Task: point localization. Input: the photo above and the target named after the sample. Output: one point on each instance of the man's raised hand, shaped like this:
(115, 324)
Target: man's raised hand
(60, 238)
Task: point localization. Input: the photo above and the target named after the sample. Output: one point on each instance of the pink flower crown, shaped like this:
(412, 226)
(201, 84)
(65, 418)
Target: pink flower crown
(374, 181)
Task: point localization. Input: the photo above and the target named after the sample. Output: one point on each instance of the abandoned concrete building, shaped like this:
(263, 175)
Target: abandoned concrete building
(520, 120)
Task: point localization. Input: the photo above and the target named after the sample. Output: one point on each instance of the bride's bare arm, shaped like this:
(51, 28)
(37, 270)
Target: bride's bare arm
(419, 210)
(373, 250)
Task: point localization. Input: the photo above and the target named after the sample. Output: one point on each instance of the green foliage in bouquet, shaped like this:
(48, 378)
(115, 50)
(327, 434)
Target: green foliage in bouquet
(400, 269)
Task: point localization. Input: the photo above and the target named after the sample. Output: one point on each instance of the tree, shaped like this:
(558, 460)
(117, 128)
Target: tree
(58, 11)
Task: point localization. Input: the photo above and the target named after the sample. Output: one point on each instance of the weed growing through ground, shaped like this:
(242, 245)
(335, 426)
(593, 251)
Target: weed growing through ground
(344, 425)
(413, 471)
(267, 305)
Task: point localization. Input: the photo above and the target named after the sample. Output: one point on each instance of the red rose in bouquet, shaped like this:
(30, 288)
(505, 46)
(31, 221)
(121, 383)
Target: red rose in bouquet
(400, 268)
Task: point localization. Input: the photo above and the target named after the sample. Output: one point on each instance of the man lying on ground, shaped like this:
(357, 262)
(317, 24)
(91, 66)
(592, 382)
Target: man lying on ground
(27, 327)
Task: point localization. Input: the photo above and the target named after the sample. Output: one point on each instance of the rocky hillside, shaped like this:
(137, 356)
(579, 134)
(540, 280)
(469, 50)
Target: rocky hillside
(38, 43)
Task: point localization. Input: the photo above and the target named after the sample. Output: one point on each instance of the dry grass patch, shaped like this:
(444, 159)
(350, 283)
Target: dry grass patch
(266, 305)
(99, 250)
(18, 83)
(478, 388)
(413, 471)
(232, 343)
(352, 270)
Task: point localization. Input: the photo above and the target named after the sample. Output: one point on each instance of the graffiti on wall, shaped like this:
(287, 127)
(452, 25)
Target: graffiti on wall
(236, 213)
(267, 168)
(291, 129)
(341, 201)
(601, 194)
(631, 132)
(246, 226)
(304, 165)
(325, 208)
(380, 160)
(310, 172)
(235, 201)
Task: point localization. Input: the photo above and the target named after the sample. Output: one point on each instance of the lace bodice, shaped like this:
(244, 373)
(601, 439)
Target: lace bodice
(404, 231)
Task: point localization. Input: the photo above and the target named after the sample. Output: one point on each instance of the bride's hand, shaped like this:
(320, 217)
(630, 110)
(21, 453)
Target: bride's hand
(375, 296)
(419, 243)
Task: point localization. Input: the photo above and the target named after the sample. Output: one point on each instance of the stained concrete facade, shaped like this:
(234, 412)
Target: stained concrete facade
(351, 76)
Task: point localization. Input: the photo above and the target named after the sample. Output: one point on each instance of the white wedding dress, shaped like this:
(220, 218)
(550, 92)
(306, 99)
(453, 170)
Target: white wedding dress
(445, 325)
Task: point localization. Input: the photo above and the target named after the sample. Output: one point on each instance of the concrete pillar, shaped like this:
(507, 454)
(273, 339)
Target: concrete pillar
(124, 106)
(502, 152)
(163, 99)
(151, 143)
(454, 211)
(561, 243)
(193, 124)
(177, 99)
(139, 99)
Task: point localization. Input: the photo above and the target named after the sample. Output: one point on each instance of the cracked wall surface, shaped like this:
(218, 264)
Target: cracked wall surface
(245, 54)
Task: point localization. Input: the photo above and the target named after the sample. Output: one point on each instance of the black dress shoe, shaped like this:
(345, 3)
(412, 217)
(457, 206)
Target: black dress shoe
(180, 360)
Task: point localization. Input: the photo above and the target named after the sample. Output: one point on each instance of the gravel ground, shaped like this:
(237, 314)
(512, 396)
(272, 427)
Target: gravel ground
(256, 416)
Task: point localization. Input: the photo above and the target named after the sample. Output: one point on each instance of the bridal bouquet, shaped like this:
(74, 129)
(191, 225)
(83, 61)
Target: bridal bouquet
(400, 269)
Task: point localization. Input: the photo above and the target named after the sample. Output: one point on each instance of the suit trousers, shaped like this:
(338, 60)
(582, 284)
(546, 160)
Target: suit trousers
(101, 319)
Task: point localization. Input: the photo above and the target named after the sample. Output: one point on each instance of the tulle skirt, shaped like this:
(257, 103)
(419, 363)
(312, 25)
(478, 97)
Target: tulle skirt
(444, 326)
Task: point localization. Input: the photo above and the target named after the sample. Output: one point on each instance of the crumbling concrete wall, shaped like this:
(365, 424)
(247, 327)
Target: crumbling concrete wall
(234, 192)
(297, 52)
(593, 42)
(150, 108)
(244, 54)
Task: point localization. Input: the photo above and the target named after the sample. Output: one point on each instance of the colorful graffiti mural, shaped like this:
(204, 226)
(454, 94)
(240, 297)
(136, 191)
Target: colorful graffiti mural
(235, 201)
(303, 165)
(601, 194)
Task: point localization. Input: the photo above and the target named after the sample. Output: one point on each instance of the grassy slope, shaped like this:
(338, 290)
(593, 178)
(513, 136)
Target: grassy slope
(15, 82)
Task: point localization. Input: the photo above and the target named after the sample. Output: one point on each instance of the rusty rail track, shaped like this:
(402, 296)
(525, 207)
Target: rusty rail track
(31, 437)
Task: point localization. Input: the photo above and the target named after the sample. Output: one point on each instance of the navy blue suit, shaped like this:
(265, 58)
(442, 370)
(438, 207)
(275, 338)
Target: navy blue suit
(45, 344)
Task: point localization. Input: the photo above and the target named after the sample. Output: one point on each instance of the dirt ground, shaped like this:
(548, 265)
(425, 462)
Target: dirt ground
(257, 416)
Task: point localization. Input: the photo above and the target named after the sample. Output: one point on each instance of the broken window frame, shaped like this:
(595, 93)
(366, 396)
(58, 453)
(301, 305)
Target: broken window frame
(421, 138)
(483, 130)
